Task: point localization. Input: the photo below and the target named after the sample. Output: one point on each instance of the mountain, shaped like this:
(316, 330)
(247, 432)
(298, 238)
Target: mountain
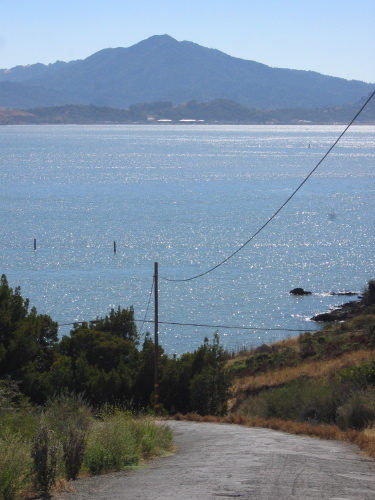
(163, 69)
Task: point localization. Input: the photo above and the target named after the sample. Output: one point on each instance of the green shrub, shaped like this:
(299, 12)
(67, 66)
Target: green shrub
(285, 402)
(303, 400)
(264, 359)
(320, 402)
(237, 367)
(358, 411)
(15, 466)
(362, 375)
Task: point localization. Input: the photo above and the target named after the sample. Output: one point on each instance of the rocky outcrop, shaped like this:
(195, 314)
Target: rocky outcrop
(342, 313)
(299, 291)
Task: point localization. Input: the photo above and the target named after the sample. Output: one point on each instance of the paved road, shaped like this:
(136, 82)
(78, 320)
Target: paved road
(220, 461)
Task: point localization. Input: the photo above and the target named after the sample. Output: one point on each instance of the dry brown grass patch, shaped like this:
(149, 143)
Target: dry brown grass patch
(313, 369)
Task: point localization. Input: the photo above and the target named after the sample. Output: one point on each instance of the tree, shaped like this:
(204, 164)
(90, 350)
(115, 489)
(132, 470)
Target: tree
(210, 386)
(99, 364)
(119, 323)
(197, 382)
(27, 341)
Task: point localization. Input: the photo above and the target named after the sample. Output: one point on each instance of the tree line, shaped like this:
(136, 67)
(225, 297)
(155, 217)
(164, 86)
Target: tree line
(105, 361)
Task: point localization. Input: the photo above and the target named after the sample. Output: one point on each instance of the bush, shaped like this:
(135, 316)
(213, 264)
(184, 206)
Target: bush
(15, 466)
(320, 402)
(70, 417)
(302, 400)
(362, 375)
(358, 412)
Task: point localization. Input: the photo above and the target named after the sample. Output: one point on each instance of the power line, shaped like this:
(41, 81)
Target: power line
(228, 327)
(239, 249)
(148, 305)
(281, 207)
(198, 325)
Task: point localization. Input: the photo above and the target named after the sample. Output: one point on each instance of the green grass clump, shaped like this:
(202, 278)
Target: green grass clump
(15, 466)
(111, 444)
(154, 439)
(118, 441)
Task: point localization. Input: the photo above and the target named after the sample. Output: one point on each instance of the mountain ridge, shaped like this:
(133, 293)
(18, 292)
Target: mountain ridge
(161, 68)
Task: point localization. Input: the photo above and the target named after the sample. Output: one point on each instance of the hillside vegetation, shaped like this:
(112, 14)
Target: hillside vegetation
(217, 111)
(81, 404)
(320, 384)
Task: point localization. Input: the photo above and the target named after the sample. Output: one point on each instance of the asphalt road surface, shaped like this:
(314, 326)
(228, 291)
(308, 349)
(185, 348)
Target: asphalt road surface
(221, 461)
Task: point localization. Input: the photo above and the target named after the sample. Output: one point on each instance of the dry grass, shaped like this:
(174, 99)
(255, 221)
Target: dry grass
(291, 343)
(314, 369)
(349, 337)
(62, 486)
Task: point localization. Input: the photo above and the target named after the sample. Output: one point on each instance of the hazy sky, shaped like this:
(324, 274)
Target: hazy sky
(333, 37)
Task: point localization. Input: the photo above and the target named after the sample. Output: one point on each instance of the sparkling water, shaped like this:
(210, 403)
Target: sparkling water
(187, 197)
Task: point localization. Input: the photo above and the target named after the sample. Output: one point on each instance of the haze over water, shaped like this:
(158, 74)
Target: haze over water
(187, 197)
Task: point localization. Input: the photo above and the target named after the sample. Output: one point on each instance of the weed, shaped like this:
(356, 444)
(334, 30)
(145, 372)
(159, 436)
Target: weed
(45, 457)
(70, 417)
(74, 445)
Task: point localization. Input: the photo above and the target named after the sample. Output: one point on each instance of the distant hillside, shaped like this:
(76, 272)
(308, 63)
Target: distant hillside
(218, 111)
(163, 69)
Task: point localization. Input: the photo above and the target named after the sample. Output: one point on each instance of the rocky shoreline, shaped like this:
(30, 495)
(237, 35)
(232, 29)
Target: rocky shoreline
(341, 313)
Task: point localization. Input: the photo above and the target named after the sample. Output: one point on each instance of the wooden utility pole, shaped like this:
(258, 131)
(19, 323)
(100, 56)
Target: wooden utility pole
(156, 342)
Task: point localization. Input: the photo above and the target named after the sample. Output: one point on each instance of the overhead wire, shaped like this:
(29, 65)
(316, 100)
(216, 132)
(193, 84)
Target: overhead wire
(175, 323)
(279, 209)
(198, 325)
(148, 305)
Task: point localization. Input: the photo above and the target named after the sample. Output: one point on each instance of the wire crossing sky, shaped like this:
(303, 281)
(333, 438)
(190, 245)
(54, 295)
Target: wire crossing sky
(281, 207)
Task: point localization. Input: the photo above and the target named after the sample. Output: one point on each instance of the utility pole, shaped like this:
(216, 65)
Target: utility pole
(156, 342)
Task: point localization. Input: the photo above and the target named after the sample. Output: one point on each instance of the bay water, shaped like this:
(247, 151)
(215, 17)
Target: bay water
(187, 197)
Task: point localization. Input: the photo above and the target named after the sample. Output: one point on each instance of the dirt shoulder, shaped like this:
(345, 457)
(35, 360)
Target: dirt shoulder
(215, 461)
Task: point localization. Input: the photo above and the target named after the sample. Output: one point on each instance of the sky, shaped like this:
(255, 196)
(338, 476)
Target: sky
(332, 37)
